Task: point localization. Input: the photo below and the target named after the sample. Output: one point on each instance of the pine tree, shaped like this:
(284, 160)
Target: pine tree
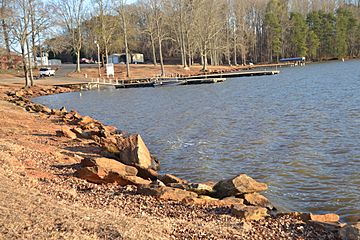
(298, 33)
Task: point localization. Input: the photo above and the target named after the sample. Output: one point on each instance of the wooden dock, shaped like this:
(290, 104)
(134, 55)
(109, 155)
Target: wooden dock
(234, 74)
(152, 82)
(203, 81)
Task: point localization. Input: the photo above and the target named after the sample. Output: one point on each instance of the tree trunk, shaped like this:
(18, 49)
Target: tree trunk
(25, 68)
(204, 59)
(126, 44)
(153, 49)
(30, 70)
(107, 53)
(7, 41)
(33, 34)
(160, 50)
(78, 60)
(161, 58)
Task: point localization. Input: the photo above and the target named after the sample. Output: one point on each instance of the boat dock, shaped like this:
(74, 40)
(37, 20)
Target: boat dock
(153, 82)
(234, 74)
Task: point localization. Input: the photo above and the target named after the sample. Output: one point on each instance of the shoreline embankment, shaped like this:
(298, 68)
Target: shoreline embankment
(103, 168)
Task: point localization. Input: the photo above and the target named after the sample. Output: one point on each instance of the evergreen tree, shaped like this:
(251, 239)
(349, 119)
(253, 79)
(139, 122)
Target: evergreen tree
(313, 44)
(342, 21)
(298, 33)
(274, 29)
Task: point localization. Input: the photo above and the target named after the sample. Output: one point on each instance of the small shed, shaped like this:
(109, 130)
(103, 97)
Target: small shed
(137, 58)
(117, 58)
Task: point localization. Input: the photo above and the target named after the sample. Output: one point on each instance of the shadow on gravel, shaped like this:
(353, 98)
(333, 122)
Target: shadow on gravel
(44, 135)
(89, 150)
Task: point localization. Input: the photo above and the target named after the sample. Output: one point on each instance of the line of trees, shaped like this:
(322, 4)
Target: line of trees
(216, 32)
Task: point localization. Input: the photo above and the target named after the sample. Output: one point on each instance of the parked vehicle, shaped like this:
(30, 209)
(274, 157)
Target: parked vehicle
(47, 71)
(86, 61)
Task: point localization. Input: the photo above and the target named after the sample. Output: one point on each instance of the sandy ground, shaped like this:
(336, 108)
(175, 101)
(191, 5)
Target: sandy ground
(40, 198)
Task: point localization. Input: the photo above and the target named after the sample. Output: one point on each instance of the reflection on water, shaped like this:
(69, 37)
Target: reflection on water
(298, 131)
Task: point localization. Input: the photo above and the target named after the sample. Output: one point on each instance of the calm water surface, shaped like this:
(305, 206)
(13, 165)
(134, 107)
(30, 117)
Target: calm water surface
(298, 131)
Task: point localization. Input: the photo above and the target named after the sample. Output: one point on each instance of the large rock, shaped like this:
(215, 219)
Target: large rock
(147, 173)
(66, 131)
(206, 200)
(133, 151)
(201, 189)
(350, 232)
(330, 217)
(257, 199)
(105, 170)
(86, 120)
(168, 179)
(249, 213)
(238, 185)
(167, 193)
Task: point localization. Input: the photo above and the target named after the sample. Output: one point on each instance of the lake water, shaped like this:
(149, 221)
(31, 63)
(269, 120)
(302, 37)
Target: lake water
(298, 131)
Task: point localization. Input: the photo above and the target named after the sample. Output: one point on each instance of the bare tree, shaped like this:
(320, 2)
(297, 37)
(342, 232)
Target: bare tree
(122, 12)
(20, 31)
(105, 25)
(71, 14)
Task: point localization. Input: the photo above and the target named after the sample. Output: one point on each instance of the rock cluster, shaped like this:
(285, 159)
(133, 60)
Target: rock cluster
(129, 162)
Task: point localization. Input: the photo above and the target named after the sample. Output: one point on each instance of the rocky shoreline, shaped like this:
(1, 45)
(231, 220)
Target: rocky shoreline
(118, 170)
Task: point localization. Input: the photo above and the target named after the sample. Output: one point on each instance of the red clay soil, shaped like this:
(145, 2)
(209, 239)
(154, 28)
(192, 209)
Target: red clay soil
(41, 199)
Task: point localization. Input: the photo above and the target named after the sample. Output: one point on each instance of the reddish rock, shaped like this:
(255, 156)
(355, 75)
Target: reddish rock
(201, 189)
(105, 170)
(257, 199)
(331, 217)
(232, 201)
(56, 112)
(86, 120)
(249, 213)
(66, 131)
(167, 193)
(46, 110)
(238, 185)
(206, 200)
(168, 179)
(147, 173)
(133, 151)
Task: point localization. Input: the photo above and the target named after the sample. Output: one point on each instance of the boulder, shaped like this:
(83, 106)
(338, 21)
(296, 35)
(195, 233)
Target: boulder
(350, 232)
(147, 173)
(66, 131)
(56, 112)
(238, 185)
(330, 217)
(37, 107)
(46, 110)
(232, 201)
(105, 170)
(257, 199)
(168, 179)
(166, 193)
(106, 131)
(249, 213)
(201, 201)
(86, 120)
(206, 200)
(200, 189)
(133, 151)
